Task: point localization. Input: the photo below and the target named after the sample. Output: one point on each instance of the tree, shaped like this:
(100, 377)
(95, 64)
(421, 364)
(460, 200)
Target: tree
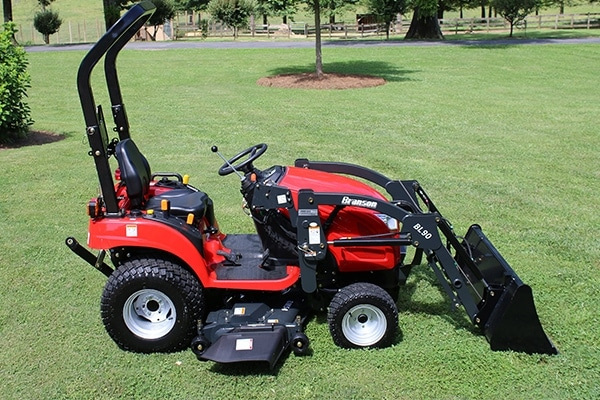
(514, 11)
(165, 10)
(46, 21)
(7, 10)
(191, 5)
(424, 23)
(278, 8)
(15, 116)
(316, 8)
(330, 8)
(233, 13)
(112, 11)
(561, 4)
(387, 10)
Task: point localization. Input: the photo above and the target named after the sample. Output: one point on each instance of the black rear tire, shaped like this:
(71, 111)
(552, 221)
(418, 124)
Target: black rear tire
(151, 305)
(363, 315)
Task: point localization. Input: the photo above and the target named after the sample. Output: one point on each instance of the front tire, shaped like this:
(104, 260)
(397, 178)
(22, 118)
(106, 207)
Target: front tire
(151, 305)
(362, 315)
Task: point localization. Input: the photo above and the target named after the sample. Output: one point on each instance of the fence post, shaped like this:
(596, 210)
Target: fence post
(588, 21)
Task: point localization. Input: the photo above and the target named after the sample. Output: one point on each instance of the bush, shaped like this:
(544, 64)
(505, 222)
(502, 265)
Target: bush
(47, 22)
(14, 81)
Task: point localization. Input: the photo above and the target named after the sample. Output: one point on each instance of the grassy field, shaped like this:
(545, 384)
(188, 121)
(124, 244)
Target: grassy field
(504, 136)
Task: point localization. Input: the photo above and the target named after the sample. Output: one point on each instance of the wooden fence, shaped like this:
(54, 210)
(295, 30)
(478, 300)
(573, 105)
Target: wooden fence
(89, 31)
(552, 21)
(400, 26)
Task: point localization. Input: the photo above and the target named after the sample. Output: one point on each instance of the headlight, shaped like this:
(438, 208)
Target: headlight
(391, 223)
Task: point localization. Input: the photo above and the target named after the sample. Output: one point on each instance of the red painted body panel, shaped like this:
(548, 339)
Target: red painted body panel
(350, 222)
(302, 178)
(139, 232)
(114, 233)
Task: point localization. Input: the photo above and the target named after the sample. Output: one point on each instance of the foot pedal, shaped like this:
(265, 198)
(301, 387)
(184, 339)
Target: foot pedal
(265, 264)
(233, 258)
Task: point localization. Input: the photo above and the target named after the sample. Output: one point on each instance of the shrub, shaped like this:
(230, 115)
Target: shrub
(15, 116)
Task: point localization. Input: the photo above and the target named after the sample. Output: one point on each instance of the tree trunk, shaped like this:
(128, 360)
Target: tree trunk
(424, 27)
(112, 13)
(319, 59)
(7, 10)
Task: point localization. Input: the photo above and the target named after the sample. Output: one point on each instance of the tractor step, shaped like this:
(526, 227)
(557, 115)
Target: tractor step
(251, 332)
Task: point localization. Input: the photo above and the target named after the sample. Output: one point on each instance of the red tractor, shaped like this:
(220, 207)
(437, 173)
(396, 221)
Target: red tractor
(324, 241)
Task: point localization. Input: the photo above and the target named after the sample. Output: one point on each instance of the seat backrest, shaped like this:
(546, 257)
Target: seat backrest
(135, 171)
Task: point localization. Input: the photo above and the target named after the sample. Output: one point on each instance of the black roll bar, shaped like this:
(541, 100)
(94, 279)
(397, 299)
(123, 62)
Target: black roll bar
(109, 45)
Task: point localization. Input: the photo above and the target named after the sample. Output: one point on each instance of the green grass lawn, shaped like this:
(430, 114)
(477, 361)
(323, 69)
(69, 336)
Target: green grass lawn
(504, 136)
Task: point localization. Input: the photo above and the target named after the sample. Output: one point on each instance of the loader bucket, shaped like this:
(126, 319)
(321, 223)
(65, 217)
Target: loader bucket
(507, 312)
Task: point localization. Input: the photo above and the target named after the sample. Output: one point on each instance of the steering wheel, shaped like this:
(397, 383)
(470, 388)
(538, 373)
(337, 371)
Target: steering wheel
(245, 166)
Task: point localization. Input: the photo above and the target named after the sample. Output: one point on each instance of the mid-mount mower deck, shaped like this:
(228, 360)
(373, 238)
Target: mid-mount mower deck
(325, 241)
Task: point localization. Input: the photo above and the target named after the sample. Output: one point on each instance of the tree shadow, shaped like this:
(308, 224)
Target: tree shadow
(34, 138)
(385, 70)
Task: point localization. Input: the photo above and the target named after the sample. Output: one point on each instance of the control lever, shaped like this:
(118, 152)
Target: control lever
(215, 149)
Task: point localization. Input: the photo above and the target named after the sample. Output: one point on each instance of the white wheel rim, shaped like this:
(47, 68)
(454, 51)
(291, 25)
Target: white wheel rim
(149, 314)
(364, 325)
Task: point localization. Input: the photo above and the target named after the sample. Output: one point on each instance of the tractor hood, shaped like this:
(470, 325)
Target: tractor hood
(296, 178)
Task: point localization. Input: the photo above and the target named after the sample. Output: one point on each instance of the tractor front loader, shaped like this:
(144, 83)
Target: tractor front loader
(470, 269)
(325, 240)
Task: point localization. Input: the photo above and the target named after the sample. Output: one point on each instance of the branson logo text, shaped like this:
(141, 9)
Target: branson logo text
(347, 201)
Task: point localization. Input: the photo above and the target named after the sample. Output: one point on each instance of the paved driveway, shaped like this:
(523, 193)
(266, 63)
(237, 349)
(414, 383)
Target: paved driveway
(310, 43)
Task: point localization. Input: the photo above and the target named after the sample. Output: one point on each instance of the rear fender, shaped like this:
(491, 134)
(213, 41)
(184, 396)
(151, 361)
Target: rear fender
(140, 232)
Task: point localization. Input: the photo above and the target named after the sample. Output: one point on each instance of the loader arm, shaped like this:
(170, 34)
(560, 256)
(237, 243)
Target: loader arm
(470, 269)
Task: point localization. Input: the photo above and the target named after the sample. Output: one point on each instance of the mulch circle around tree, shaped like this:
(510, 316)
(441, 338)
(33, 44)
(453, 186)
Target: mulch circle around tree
(328, 81)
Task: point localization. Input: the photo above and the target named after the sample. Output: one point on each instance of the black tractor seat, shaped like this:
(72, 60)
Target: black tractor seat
(183, 202)
(136, 176)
